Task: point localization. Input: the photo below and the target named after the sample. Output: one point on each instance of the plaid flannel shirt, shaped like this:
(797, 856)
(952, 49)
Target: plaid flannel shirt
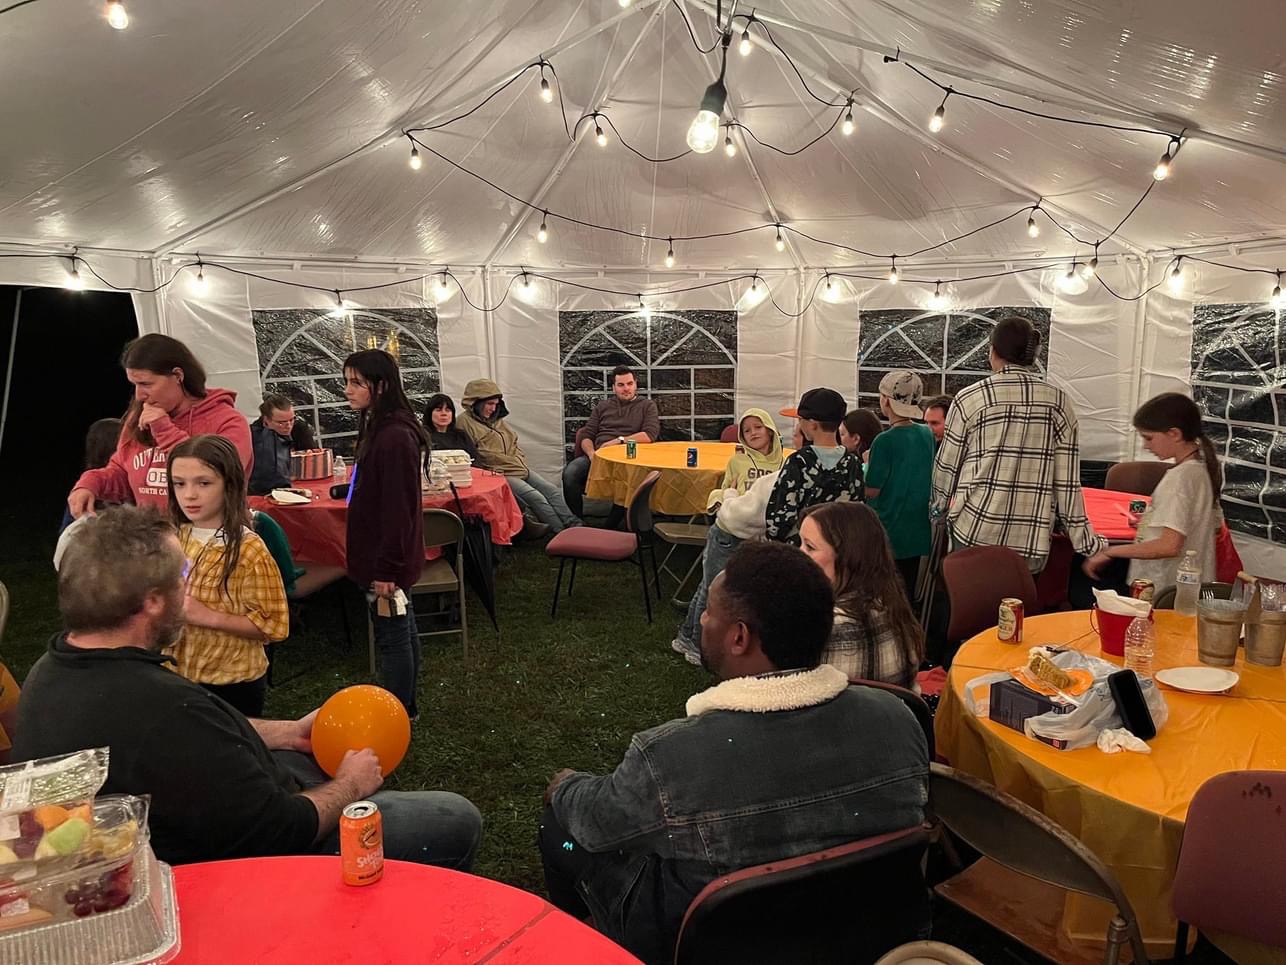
(1008, 469)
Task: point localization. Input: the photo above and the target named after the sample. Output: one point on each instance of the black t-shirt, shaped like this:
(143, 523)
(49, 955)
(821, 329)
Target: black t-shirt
(217, 792)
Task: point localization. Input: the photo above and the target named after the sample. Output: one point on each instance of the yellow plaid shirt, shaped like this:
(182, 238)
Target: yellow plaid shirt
(254, 590)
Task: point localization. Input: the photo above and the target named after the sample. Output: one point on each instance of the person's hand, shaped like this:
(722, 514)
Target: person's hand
(384, 588)
(1133, 519)
(300, 737)
(150, 414)
(1094, 565)
(361, 769)
(197, 613)
(81, 503)
(557, 779)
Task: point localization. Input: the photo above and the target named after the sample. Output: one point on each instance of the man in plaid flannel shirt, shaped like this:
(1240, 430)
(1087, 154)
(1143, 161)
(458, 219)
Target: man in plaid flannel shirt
(1008, 470)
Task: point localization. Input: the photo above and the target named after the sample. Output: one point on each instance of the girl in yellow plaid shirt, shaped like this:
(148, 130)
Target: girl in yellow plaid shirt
(235, 602)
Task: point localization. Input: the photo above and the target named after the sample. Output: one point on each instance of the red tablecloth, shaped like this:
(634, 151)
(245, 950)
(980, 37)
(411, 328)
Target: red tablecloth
(298, 910)
(318, 530)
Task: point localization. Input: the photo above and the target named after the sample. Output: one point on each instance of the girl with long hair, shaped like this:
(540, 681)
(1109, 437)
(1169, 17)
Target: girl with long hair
(235, 601)
(1184, 513)
(875, 635)
(858, 431)
(171, 404)
(386, 514)
(439, 419)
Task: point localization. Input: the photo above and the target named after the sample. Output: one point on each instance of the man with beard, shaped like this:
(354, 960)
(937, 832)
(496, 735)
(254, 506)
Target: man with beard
(222, 785)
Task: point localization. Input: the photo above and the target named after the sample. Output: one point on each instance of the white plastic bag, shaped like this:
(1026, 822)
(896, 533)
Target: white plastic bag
(1096, 710)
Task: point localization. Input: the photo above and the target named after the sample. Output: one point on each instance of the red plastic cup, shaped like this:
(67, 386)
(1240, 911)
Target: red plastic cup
(1111, 629)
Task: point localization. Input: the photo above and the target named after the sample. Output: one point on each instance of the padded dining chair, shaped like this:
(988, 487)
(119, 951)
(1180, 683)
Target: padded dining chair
(1140, 478)
(977, 579)
(611, 546)
(1232, 861)
(850, 903)
(1020, 838)
(729, 433)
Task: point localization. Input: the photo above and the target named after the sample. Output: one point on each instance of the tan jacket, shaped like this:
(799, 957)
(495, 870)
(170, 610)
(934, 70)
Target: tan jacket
(497, 443)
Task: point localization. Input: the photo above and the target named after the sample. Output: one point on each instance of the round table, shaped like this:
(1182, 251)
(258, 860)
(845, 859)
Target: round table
(289, 910)
(681, 491)
(1127, 808)
(318, 530)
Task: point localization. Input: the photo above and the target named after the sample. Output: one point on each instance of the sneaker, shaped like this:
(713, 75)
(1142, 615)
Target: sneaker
(678, 645)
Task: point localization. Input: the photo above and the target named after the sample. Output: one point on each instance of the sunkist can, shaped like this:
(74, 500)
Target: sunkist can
(1142, 590)
(1010, 626)
(631, 448)
(361, 843)
(692, 457)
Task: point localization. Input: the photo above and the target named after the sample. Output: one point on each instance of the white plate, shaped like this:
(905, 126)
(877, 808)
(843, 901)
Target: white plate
(1199, 680)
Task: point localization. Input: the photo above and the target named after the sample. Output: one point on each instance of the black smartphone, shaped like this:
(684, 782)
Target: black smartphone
(1128, 696)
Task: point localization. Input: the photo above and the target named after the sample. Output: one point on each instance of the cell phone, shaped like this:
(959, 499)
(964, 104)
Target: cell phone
(1128, 697)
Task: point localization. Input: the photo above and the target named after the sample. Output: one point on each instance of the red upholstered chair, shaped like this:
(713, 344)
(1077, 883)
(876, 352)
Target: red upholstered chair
(1140, 478)
(916, 704)
(977, 579)
(851, 903)
(1232, 862)
(610, 545)
(729, 433)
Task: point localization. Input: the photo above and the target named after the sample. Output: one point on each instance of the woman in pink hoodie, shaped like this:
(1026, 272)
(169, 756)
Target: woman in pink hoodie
(171, 405)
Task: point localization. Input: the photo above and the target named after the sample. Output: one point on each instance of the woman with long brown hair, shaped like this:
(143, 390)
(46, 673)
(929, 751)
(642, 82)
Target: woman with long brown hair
(875, 635)
(171, 404)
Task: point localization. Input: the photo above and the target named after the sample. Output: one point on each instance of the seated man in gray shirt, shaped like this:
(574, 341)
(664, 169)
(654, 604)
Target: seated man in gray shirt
(781, 759)
(624, 416)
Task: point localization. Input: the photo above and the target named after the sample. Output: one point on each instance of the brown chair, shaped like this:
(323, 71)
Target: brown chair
(1164, 599)
(1232, 861)
(1020, 838)
(977, 579)
(914, 702)
(850, 903)
(610, 545)
(729, 433)
(1140, 478)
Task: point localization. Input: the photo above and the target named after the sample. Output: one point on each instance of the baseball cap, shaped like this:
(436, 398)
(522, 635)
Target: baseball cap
(824, 405)
(904, 390)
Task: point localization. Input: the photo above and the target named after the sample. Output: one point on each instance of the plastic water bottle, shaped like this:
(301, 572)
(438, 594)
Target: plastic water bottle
(1187, 585)
(339, 472)
(1140, 645)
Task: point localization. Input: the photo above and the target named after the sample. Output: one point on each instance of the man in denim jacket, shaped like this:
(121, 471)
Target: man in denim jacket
(780, 759)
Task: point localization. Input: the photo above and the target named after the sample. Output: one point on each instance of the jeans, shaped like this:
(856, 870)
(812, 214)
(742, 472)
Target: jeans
(575, 475)
(427, 827)
(544, 499)
(719, 546)
(397, 644)
(564, 862)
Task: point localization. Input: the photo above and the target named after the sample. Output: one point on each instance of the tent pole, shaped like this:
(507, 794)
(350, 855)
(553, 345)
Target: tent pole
(1136, 366)
(8, 375)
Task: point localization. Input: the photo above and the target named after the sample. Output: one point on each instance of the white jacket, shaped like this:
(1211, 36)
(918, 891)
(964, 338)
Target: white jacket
(743, 514)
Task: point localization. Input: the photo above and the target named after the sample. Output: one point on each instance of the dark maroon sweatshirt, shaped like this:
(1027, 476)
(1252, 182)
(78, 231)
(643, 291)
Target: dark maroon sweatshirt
(386, 514)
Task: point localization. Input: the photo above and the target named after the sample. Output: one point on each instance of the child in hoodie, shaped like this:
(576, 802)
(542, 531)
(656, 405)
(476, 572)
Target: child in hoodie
(171, 405)
(761, 455)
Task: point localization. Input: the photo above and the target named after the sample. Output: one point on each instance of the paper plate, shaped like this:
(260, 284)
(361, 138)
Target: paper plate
(1199, 680)
(284, 497)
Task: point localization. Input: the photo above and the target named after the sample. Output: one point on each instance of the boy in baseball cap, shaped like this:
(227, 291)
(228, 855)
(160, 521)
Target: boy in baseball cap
(819, 472)
(899, 474)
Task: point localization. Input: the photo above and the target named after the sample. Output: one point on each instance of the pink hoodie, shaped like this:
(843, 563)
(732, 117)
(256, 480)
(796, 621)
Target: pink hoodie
(136, 473)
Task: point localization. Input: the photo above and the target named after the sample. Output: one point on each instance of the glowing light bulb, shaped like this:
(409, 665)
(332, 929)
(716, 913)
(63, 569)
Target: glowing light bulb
(1162, 170)
(848, 126)
(443, 288)
(729, 148)
(199, 284)
(669, 256)
(526, 280)
(415, 161)
(829, 286)
(1176, 281)
(938, 302)
(1278, 300)
(543, 234)
(73, 281)
(703, 132)
(753, 295)
(624, 3)
(781, 241)
(893, 274)
(745, 46)
(1089, 269)
(116, 15)
(936, 121)
(1033, 229)
(599, 135)
(546, 92)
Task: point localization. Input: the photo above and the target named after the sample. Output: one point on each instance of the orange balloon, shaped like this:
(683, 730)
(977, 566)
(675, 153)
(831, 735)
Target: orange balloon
(360, 717)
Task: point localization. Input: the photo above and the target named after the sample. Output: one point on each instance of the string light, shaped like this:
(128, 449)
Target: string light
(781, 241)
(546, 92)
(1176, 280)
(442, 289)
(415, 162)
(753, 295)
(526, 280)
(1033, 229)
(745, 46)
(73, 281)
(116, 15)
(703, 132)
(199, 284)
(729, 148)
(598, 133)
(669, 255)
(848, 126)
(339, 311)
(624, 3)
(1162, 170)
(1070, 282)
(1278, 300)
(937, 301)
(1090, 268)
(893, 271)
(939, 116)
(542, 235)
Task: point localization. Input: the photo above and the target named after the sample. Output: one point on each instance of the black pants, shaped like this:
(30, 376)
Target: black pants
(909, 567)
(247, 696)
(1080, 588)
(565, 861)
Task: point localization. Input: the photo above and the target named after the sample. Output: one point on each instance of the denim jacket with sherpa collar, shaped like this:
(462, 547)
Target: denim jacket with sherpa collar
(762, 768)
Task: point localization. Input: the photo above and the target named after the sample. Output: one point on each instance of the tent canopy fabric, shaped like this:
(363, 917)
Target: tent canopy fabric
(243, 128)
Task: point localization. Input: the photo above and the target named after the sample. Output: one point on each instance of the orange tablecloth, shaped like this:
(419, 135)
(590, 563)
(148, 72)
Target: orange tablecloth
(679, 492)
(317, 531)
(297, 911)
(1128, 808)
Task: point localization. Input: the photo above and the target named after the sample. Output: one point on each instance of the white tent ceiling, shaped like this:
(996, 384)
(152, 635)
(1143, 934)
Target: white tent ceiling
(273, 129)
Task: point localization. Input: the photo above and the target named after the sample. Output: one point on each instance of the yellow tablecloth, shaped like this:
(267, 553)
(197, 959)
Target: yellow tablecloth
(1127, 808)
(679, 492)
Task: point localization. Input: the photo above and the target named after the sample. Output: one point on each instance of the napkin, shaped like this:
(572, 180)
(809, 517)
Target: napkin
(1109, 601)
(1116, 739)
(284, 497)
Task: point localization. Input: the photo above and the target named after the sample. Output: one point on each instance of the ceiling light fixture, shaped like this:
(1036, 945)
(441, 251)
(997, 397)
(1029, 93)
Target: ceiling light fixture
(1162, 170)
(939, 116)
(116, 15)
(703, 132)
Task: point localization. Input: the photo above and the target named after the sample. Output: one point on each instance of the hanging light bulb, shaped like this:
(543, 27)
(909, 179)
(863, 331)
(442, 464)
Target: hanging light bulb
(598, 133)
(415, 161)
(1033, 229)
(669, 255)
(1278, 300)
(753, 295)
(643, 309)
(1090, 268)
(848, 126)
(937, 301)
(893, 271)
(116, 15)
(729, 148)
(543, 234)
(703, 132)
(73, 282)
(1162, 170)
(829, 286)
(1176, 280)
(442, 288)
(781, 241)
(624, 3)
(745, 46)
(339, 311)
(199, 284)
(546, 92)
(526, 280)
(939, 116)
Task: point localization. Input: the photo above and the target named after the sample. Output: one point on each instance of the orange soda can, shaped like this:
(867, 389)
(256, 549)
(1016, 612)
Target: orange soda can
(361, 843)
